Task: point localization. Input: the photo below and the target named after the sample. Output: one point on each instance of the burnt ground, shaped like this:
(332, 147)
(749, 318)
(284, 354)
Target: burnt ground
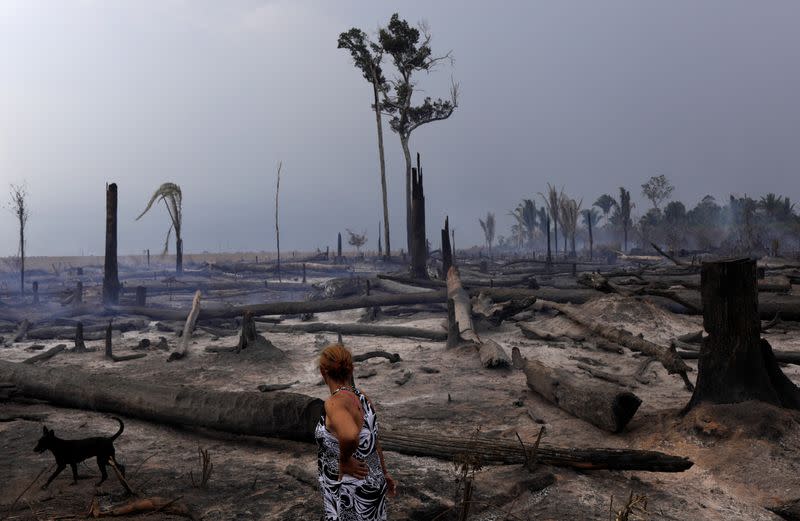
(746, 456)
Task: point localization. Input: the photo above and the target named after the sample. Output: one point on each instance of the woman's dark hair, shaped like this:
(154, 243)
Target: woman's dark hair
(336, 363)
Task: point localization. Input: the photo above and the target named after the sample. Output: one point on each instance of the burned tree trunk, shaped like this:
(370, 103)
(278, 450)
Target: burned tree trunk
(447, 252)
(278, 414)
(179, 256)
(599, 403)
(249, 337)
(419, 246)
(735, 364)
(339, 248)
(111, 276)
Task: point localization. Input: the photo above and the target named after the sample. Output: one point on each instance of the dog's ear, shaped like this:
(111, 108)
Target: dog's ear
(44, 430)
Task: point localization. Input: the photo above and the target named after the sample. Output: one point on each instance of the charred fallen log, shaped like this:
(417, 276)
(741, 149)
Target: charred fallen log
(289, 416)
(281, 415)
(509, 452)
(359, 329)
(601, 404)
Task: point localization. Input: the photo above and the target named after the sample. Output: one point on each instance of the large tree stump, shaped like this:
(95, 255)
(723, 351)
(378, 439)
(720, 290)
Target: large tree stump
(735, 364)
(111, 276)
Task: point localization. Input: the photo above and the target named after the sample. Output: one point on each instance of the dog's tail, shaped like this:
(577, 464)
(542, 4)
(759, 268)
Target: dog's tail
(121, 428)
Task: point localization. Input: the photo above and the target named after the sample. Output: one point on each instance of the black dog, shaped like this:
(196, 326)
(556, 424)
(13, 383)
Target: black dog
(72, 452)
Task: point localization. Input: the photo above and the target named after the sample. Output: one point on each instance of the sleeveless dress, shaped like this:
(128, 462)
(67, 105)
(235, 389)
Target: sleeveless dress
(352, 499)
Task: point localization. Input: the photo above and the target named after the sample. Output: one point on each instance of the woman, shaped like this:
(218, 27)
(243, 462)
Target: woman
(352, 472)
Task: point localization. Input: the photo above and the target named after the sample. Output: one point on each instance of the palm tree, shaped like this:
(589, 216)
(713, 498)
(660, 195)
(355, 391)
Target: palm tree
(526, 217)
(488, 230)
(624, 213)
(170, 193)
(605, 202)
(553, 204)
(590, 219)
(570, 209)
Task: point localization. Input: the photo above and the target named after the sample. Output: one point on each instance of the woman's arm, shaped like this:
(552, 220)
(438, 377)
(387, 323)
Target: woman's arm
(346, 431)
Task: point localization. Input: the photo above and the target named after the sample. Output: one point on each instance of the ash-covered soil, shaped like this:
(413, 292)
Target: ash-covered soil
(747, 456)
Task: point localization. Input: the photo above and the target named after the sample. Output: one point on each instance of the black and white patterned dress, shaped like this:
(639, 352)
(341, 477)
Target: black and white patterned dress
(352, 499)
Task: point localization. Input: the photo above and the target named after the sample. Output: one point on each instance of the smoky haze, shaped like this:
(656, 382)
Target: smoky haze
(211, 95)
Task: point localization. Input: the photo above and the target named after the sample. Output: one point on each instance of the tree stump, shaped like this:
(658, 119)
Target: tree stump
(141, 295)
(735, 364)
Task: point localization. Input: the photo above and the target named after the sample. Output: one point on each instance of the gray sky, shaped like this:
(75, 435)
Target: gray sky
(212, 94)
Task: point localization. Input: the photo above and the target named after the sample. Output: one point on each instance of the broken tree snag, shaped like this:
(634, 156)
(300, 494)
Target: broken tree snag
(599, 403)
(35, 291)
(141, 296)
(339, 248)
(447, 252)
(80, 344)
(735, 364)
(279, 414)
(183, 343)
(110, 274)
(462, 306)
(509, 452)
(668, 358)
(419, 244)
(50, 353)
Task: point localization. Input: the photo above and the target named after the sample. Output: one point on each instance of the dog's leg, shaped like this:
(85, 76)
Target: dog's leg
(101, 464)
(56, 473)
(74, 467)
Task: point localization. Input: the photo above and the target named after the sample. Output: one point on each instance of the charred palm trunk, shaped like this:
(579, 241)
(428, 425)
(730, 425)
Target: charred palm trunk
(549, 253)
(419, 251)
(111, 275)
(591, 240)
(179, 256)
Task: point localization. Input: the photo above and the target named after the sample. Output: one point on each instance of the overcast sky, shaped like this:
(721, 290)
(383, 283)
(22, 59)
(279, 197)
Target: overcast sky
(212, 94)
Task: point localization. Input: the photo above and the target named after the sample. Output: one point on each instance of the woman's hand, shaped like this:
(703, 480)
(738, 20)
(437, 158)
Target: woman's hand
(353, 467)
(391, 485)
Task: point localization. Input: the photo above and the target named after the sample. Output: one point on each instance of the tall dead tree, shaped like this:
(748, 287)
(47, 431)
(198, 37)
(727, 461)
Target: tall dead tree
(735, 363)
(277, 228)
(110, 272)
(419, 250)
(20, 209)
